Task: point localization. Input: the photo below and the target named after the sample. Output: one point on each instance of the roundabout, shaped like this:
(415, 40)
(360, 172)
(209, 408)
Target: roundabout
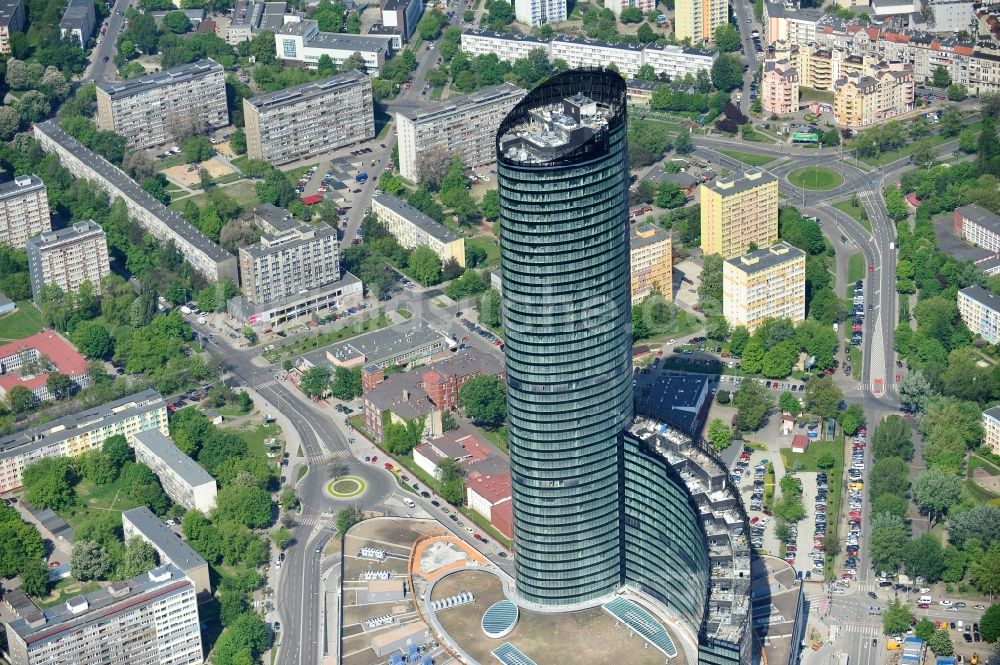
(815, 178)
(346, 487)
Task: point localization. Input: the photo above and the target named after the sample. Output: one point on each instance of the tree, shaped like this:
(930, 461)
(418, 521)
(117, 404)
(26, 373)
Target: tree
(198, 149)
(282, 538)
(90, 561)
(924, 558)
(354, 62)
(249, 506)
(315, 381)
(710, 289)
(32, 106)
(823, 397)
(484, 400)
(177, 22)
(889, 475)
(424, 266)
(753, 402)
(452, 477)
(20, 544)
(896, 618)
(935, 491)
(924, 629)
(957, 92)
(889, 536)
(347, 518)
(10, 120)
(941, 78)
(242, 641)
(727, 72)
(891, 504)
(669, 195)
(940, 643)
(727, 38)
(852, 418)
(325, 66)
(789, 403)
(720, 434)
(35, 579)
(238, 141)
(989, 624)
(117, 450)
(346, 383)
(139, 558)
(891, 438)
(49, 483)
(59, 385)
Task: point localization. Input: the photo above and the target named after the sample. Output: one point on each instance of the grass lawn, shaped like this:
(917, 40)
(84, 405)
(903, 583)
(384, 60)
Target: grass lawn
(405, 313)
(348, 331)
(243, 191)
(855, 268)
(858, 214)
(91, 497)
(299, 172)
(855, 354)
(26, 321)
(977, 462)
(810, 95)
(486, 244)
(816, 178)
(907, 150)
(65, 589)
(979, 493)
(748, 157)
(255, 435)
(807, 462)
(757, 137)
(436, 92)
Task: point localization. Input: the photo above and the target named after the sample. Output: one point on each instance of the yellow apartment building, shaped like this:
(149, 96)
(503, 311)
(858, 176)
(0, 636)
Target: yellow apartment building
(739, 212)
(651, 249)
(767, 283)
(697, 19)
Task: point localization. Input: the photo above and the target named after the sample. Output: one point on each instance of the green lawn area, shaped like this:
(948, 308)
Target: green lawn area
(487, 245)
(748, 158)
(977, 462)
(243, 191)
(807, 462)
(65, 589)
(757, 137)
(91, 497)
(26, 321)
(810, 95)
(907, 150)
(436, 92)
(298, 172)
(348, 331)
(855, 268)
(974, 490)
(405, 313)
(856, 213)
(255, 435)
(816, 178)
(979, 493)
(856, 359)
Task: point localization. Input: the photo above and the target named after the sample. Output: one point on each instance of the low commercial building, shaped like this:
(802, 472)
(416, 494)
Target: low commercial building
(408, 343)
(651, 250)
(196, 16)
(28, 363)
(739, 212)
(679, 399)
(154, 109)
(465, 127)
(978, 226)
(991, 429)
(152, 618)
(485, 493)
(477, 458)
(213, 262)
(78, 433)
(174, 551)
(78, 21)
(980, 311)
(184, 480)
(411, 228)
(399, 639)
(302, 41)
(861, 100)
(764, 284)
(68, 258)
(252, 16)
(780, 87)
(309, 119)
(339, 295)
(24, 210)
(12, 19)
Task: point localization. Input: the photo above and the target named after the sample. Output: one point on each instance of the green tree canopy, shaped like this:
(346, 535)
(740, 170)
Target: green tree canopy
(484, 400)
(50, 483)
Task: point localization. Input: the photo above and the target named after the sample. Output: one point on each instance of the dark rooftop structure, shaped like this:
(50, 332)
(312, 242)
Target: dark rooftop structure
(186, 468)
(274, 220)
(986, 298)
(304, 91)
(149, 82)
(981, 216)
(166, 542)
(728, 186)
(678, 399)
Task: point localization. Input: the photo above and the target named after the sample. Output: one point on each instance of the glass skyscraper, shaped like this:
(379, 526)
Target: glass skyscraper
(563, 180)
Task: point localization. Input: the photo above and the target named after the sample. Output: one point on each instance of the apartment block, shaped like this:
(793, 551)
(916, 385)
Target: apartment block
(980, 311)
(151, 110)
(75, 434)
(465, 127)
(739, 212)
(252, 16)
(302, 42)
(984, 68)
(213, 262)
(780, 87)
(403, 15)
(28, 363)
(617, 6)
(792, 24)
(651, 250)
(442, 380)
(24, 210)
(412, 228)
(861, 100)
(173, 551)
(767, 283)
(978, 226)
(670, 60)
(297, 259)
(183, 479)
(310, 119)
(78, 21)
(697, 19)
(539, 12)
(151, 619)
(991, 429)
(12, 19)
(68, 258)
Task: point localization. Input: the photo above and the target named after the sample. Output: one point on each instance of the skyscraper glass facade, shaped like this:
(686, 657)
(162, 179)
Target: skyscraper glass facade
(563, 184)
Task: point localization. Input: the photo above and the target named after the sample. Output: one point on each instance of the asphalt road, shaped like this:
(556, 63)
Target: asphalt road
(744, 16)
(102, 64)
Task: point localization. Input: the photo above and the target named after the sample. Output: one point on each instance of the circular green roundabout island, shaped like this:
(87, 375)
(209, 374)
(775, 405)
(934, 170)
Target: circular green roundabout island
(816, 178)
(346, 487)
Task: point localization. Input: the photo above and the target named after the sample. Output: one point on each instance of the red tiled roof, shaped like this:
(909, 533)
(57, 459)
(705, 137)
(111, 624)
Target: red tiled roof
(312, 200)
(800, 441)
(53, 346)
(492, 488)
(912, 199)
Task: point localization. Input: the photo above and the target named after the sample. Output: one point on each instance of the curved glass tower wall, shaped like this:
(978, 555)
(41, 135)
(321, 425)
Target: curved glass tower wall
(563, 183)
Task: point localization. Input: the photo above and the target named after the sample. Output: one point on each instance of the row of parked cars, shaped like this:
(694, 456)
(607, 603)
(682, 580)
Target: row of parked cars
(858, 321)
(856, 501)
(482, 332)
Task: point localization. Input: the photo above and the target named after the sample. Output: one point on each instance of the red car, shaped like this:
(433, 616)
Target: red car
(388, 465)
(897, 378)
(871, 268)
(923, 606)
(374, 459)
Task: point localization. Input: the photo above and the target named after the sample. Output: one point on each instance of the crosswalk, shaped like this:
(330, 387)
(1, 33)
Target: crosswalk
(267, 384)
(862, 628)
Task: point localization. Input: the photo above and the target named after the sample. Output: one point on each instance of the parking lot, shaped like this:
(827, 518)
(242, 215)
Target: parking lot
(855, 506)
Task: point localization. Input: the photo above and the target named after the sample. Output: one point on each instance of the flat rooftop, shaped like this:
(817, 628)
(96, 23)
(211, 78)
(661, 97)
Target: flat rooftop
(78, 229)
(379, 345)
(513, 36)
(981, 216)
(675, 398)
(415, 217)
(163, 447)
(555, 129)
(986, 298)
(164, 539)
(760, 260)
(301, 234)
(7, 10)
(306, 91)
(168, 77)
(77, 13)
(466, 104)
(20, 186)
(730, 186)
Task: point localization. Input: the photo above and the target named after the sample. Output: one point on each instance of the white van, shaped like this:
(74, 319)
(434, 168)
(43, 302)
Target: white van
(925, 599)
(409, 502)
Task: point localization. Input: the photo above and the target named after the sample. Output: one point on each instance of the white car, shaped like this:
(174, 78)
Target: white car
(945, 602)
(671, 342)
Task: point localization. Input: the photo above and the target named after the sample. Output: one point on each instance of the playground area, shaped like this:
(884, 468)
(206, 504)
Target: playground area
(186, 174)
